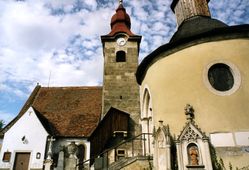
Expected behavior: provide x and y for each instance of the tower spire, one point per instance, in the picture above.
(120, 22)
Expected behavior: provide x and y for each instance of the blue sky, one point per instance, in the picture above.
(60, 39)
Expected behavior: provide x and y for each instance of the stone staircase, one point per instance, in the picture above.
(134, 163)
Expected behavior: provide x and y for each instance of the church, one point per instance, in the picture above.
(184, 107)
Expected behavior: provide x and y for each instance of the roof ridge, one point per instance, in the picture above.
(25, 107)
(30, 100)
(68, 87)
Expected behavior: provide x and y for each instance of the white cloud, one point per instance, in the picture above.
(17, 92)
(92, 3)
(24, 27)
(231, 12)
(63, 37)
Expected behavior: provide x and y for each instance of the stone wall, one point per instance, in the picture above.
(134, 163)
(120, 89)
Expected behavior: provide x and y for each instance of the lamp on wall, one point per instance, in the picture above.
(24, 140)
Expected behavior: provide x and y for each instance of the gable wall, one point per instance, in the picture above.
(30, 127)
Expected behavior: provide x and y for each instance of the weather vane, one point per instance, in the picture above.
(120, 2)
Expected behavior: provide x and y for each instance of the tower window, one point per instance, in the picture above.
(120, 56)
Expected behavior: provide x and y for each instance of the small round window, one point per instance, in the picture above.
(220, 77)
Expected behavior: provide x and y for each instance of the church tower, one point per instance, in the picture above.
(121, 50)
(185, 9)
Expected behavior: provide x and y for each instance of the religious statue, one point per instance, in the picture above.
(160, 140)
(189, 112)
(72, 148)
(193, 155)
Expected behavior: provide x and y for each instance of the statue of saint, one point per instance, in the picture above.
(189, 112)
(193, 155)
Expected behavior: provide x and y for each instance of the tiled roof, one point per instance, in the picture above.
(185, 38)
(73, 111)
(120, 22)
(67, 111)
(195, 26)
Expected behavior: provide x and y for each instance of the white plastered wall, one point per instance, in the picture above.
(26, 135)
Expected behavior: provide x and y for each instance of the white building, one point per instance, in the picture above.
(52, 129)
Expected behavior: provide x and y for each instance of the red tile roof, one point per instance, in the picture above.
(72, 111)
(65, 111)
(120, 22)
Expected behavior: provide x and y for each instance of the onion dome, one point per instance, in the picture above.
(120, 22)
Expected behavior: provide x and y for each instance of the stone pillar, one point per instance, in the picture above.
(168, 157)
(48, 164)
(72, 161)
(49, 161)
(60, 165)
(179, 156)
(71, 164)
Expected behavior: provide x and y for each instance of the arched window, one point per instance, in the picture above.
(146, 105)
(146, 120)
(120, 56)
(193, 154)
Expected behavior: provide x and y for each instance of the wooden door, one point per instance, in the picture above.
(21, 161)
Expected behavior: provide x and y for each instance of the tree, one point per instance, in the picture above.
(1, 124)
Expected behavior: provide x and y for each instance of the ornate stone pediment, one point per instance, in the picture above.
(191, 132)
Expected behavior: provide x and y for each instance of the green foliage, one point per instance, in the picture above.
(217, 164)
(1, 124)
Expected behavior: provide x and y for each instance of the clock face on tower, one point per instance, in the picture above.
(121, 41)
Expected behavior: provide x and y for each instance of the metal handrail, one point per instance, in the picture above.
(121, 143)
(126, 141)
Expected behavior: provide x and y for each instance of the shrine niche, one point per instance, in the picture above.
(192, 145)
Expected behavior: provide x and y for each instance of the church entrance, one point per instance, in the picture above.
(21, 161)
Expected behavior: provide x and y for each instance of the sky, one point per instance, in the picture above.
(57, 42)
